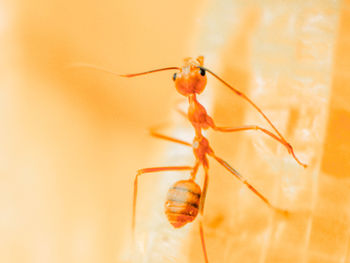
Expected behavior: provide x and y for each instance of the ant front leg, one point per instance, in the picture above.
(258, 128)
(243, 180)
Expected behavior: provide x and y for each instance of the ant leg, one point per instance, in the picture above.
(204, 192)
(194, 171)
(168, 138)
(150, 170)
(242, 95)
(243, 180)
(255, 127)
(202, 240)
(201, 209)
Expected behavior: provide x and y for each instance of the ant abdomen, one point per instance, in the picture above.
(182, 203)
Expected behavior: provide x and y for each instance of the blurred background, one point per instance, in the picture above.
(72, 139)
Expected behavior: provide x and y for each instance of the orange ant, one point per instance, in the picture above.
(185, 198)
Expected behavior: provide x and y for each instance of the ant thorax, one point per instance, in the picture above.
(198, 115)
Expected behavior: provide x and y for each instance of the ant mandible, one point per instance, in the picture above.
(185, 198)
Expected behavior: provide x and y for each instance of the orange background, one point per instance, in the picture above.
(72, 139)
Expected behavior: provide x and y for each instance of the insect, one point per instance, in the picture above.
(185, 199)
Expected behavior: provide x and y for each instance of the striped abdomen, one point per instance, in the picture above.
(182, 202)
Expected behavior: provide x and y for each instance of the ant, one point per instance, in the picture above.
(185, 198)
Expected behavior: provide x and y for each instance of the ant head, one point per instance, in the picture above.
(191, 79)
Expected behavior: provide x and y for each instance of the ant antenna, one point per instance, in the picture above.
(84, 65)
(244, 97)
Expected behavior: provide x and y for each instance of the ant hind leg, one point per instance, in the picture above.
(252, 188)
(151, 170)
(201, 209)
(201, 232)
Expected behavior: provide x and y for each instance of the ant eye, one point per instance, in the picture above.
(202, 71)
(174, 77)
